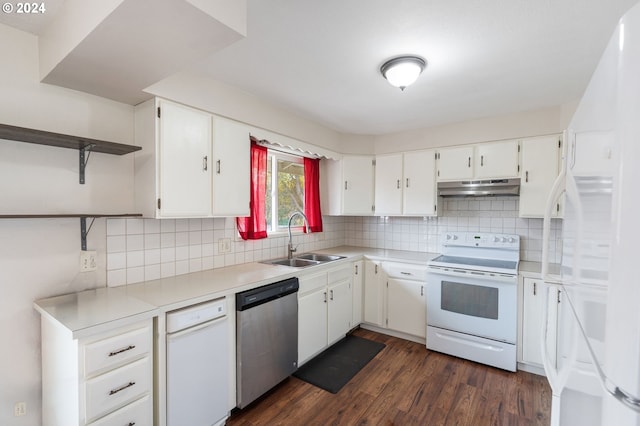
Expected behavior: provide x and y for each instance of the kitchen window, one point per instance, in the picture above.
(285, 191)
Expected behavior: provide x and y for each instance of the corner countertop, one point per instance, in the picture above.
(92, 311)
(89, 312)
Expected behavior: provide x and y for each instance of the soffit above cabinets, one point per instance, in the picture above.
(121, 47)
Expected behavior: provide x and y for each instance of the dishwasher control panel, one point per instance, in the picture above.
(194, 315)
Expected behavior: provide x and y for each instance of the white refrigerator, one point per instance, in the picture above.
(594, 372)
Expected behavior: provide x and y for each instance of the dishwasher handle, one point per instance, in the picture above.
(258, 296)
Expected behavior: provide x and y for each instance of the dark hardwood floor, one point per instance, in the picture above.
(406, 384)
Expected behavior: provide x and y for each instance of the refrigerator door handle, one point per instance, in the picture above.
(557, 377)
(631, 401)
(558, 188)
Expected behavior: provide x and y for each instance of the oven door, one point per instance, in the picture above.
(471, 302)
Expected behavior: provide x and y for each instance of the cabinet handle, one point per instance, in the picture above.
(421, 290)
(131, 424)
(398, 184)
(469, 162)
(407, 182)
(325, 297)
(534, 289)
(218, 166)
(376, 269)
(205, 164)
(331, 291)
(356, 269)
(345, 185)
(481, 160)
(526, 176)
(119, 351)
(121, 388)
(405, 273)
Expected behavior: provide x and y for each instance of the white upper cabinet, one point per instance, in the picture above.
(405, 184)
(541, 158)
(455, 163)
(388, 186)
(347, 186)
(420, 183)
(490, 160)
(496, 160)
(192, 163)
(231, 168)
(172, 171)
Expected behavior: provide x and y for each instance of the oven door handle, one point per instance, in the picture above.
(507, 279)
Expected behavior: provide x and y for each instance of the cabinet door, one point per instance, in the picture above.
(357, 195)
(373, 293)
(496, 160)
(388, 186)
(185, 161)
(406, 306)
(540, 166)
(535, 294)
(231, 168)
(312, 324)
(357, 281)
(340, 310)
(455, 163)
(419, 183)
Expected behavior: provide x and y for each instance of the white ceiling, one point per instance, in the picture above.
(321, 59)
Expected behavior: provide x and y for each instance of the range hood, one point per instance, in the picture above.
(479, 188)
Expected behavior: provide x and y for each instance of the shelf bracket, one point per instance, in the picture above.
(83, 162)
(84, 231)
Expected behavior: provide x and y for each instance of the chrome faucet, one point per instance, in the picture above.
(290, 249)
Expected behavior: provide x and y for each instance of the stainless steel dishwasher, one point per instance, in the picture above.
(267, 338)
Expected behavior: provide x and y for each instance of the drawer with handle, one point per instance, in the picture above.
(113, 351)
(138, 413)
(111, 390)
(405, 271)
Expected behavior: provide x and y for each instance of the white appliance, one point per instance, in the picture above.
(595, 377)
(197, 365)
(472, 292)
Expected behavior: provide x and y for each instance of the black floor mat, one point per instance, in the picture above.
(334, 367)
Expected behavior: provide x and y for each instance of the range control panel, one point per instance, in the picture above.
(481, 239)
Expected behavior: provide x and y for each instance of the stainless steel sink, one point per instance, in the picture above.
(295, 262)
(322, 258)
(304, 260)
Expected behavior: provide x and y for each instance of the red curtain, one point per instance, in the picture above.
(254, 227)
(312, 194)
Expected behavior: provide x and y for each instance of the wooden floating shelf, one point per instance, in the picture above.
(40, 137)
(70, 215)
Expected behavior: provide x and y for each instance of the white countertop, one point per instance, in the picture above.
(92, 311)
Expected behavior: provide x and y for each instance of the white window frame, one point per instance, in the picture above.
(275, 156)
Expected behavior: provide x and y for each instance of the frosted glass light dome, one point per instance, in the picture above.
(403, 71)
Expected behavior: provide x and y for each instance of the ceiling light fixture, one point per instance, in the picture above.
(403, 70)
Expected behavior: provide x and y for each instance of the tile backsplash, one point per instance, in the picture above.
(480, 214)
(146, 249)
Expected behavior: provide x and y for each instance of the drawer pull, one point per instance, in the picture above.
(131, 424)
(119, 351)
(406, 273)
(121, 388)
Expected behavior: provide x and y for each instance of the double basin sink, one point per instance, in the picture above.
(304, 260)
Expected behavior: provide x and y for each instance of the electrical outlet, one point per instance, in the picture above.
(224, 245)
(88, 260)
(20, 409)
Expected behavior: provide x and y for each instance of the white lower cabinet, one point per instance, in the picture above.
(394, 297)
(358, 292)
(325, 310)
(406, 303)
(534, 296)
(373, 300)
(104, 379)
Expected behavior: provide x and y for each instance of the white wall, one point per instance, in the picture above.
(523, 124)
(39, 257)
